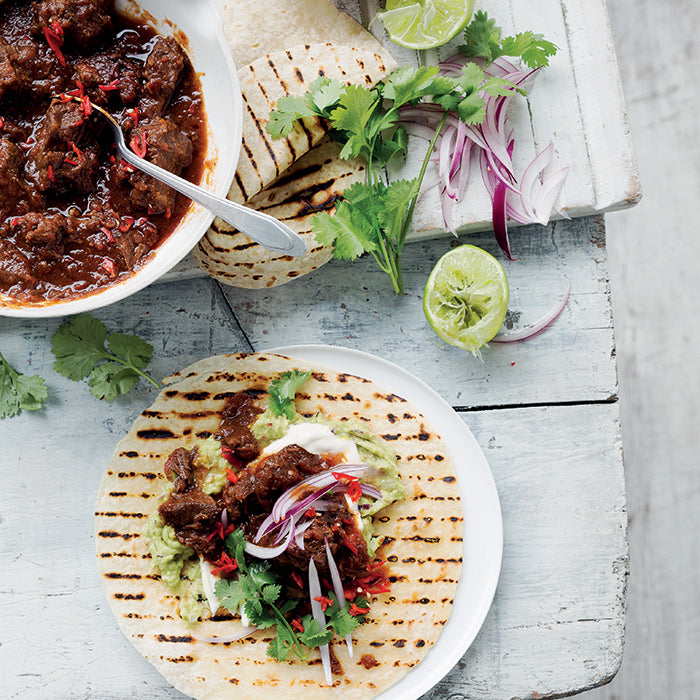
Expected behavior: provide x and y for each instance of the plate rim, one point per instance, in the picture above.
(452, 646)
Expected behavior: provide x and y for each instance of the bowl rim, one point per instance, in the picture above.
(197, 216)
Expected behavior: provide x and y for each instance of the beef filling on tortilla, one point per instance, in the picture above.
(305, 495)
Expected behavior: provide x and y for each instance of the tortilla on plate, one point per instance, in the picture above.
(422, 538)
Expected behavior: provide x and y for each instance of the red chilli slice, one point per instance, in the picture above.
(139, 145)
(54, 38)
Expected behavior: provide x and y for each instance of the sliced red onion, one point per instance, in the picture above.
(317, 612)
(271, 552)
(371, 491)
(338, 589)
(538, 326)
(299, 535)
(498, 216)
(245, 632)
(320, 480)
(530, 199)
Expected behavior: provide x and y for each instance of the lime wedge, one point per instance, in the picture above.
(466, 297)
(425, 24)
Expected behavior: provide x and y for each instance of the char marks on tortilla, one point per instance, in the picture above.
(423, 538)
(313, 184)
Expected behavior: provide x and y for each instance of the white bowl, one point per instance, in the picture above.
(201, 22)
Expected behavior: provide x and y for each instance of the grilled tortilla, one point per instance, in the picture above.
(235, 259)
(422, 539)
(255, 28)
(313, 184)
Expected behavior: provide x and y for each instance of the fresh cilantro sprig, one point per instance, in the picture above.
(79, 347)
(283, 390)
(18, 392)
(483, 40)
(258, 593)
(374, 216)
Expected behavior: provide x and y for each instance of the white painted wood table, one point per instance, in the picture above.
(545, 413)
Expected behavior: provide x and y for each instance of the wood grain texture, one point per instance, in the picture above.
(572, 361)
(654, 275)
(556, 623)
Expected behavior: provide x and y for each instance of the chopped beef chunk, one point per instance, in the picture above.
(193, 516)
(11, 186)
(259, 484)
(167, 147)
(63, 124)
(55, 162)
(238, 413)
(162, 73)
(179, 468)
(105, 69)
(44, 232)
(14, 266)
(14, 75)
(82, 21)
(335, 525)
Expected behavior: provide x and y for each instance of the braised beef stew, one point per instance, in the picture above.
(74, 218)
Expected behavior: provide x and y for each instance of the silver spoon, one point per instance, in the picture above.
(262, 228)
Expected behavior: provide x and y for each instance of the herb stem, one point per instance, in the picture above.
(419, 181)
(141, 373)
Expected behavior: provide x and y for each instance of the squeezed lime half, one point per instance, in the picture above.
(425, 24)
(466, 297)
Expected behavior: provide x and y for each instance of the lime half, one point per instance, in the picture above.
(466, 297)
(425, 24)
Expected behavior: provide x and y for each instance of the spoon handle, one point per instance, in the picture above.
(262, 228)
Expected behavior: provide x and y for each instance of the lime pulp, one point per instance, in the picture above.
(466, 297)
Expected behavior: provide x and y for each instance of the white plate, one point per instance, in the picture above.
(483, 527)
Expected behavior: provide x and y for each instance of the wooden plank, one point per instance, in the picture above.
(577, 102)
(561, 593)
(351, 304)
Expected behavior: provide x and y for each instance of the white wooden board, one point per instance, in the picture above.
(577, 103)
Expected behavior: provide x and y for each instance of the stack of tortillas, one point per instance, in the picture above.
(279, 51)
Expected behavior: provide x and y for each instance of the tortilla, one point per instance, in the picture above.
(313, 184)
(237, 260)
(254, 28)
(290, 72)
(423, 539)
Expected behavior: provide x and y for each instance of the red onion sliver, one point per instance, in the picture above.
(299, 536)
(317, 612)
(270, 552)
(500, 227)
(338, 589)
(535, 328)
(245, 632)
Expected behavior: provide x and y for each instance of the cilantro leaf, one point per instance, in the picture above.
(312, 636)
(325, 93)
(136, 351)
(483, 40)
(407, 85)
(277, 648)
(289, 110)
(235, 545)
(283, 390)
(109, 379)
(352, 115)
(342, 622)
(230, 593)
(349, 231)
(79, 348)
(19, 392)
